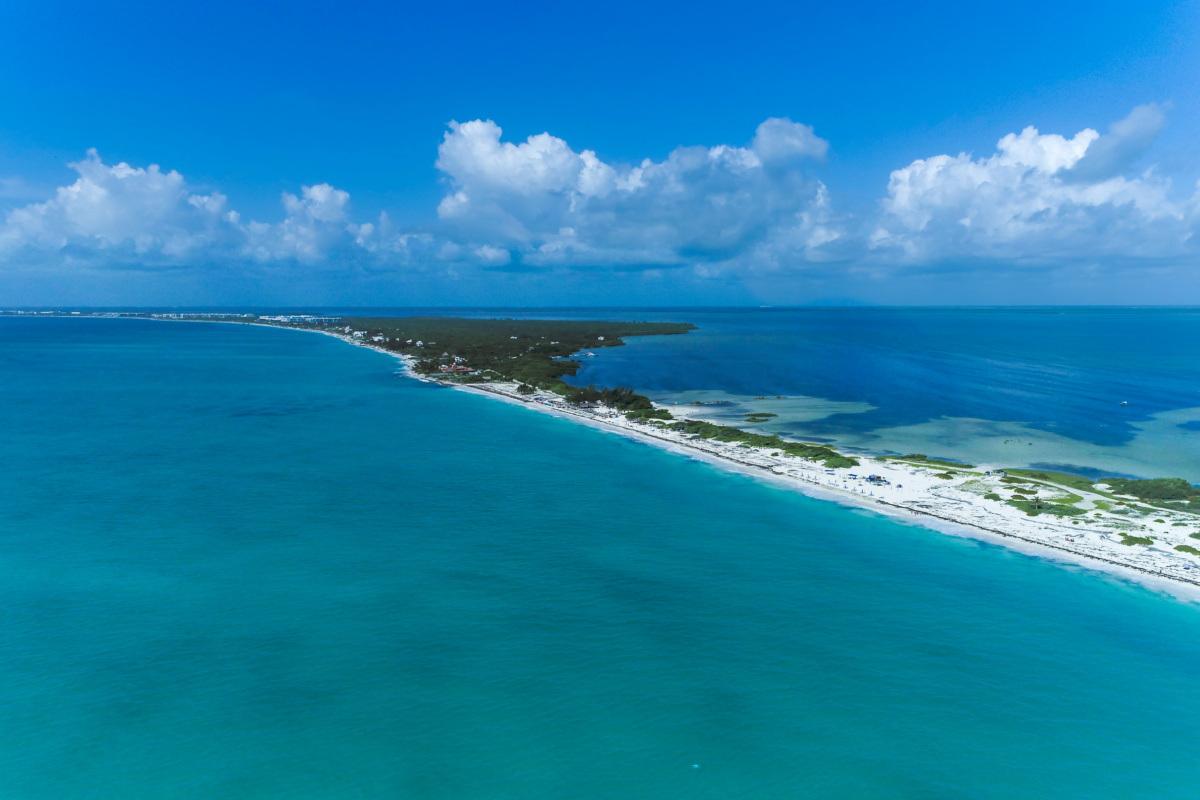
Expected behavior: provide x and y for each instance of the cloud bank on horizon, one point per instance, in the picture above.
(1040, 200)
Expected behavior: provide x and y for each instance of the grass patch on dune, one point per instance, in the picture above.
(1034, 506)
(1158, 490)
(722, 433)
(920, 459)
(1061, 478)
(649, 414)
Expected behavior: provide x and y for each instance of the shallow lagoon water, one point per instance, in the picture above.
(239, 562)
(1019, 387)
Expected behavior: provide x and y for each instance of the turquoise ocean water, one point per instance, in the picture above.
(248, 563)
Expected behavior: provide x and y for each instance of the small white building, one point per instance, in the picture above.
(359, 334)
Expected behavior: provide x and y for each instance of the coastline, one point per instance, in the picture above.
(935, 509)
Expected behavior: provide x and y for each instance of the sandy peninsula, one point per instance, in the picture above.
(963, 502)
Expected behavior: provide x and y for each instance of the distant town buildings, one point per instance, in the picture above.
(204, 315)
(310, 319)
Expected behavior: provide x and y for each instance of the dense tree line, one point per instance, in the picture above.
(532, 352)
(621, 398)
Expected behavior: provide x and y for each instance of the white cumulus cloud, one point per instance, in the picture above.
(547, 204)
(124, 214)
(147, 210)
(540, 204)
(1041, 197)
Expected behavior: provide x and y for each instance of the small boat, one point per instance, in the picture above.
(1124, 402)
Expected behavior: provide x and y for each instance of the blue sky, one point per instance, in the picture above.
(693, 153)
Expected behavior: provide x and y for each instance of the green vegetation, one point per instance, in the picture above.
(1023, 490)
(815, 452)
(946, 476)
(1132, 540)
(621, 398)
(1033, 506)
(759, 417)
(922, 459)
(533, 352)
(1156, 490)
(992, 496)
(1187, 548)
(1169, 493)
(1061, 478)
(649, 414)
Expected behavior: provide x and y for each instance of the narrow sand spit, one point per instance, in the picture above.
(915, 494)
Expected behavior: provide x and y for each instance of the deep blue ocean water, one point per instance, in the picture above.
(1019, 387)
(250, 563)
